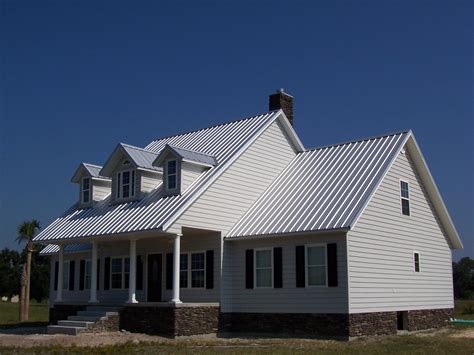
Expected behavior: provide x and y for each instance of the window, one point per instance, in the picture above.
(405, 198)
(86, 190)
(88, 274)
(316, 274)
(183, 271)
(126, 184)
(263, 268)
(197, 270)
(171, 175)
(416, 261)
(66, 275)
(120, 273)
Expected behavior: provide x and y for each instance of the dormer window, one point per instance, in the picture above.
(171, 174)
(125, 184)
(86, 190)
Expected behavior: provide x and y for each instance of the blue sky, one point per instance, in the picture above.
(80, 76)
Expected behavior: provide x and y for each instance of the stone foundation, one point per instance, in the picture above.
(429, 318)
(170, 320)
(329, 325)
(111, 324)
(375, 323)
(62, 311)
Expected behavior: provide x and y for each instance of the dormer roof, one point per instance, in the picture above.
(90, 170)
(186, 155)
(140, 158)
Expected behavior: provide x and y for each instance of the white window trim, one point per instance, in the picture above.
(168, 174)
(66, 274)
(123, 273)
(85, 274)
(404, 198)
(255, 268)
(419, 263)
(189, 270)
(89, 190)
(306, 263)
(132, 183)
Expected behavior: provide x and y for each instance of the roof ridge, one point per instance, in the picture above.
(213, 126)
(189, 150)
(94, 165)
(357, 140)
(138, 148)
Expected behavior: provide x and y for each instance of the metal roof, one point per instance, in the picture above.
(141, 157)
(154, 212)
(69, 248)
(322, 189)
(188, 155)
(89, 169)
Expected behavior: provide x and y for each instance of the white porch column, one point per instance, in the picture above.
(133, 272)
(93, 298)
(59, 291)
(176, 254)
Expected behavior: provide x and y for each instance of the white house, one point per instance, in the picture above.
(239, 227)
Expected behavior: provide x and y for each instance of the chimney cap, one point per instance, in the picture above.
(281, 91)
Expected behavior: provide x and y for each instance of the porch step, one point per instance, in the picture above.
(103, 308)
(84, 318)
(75, 323)
(61, 329)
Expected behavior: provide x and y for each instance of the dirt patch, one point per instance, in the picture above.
(465, 333)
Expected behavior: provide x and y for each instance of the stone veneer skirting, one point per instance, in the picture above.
(190, 319)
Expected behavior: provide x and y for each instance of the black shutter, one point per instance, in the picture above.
(98, 274)
(107, 274)
(332, 264)
(249, 268)
(277, 268)
(72, 273)
(300, 269)
(139, 279)
(82, 271)
(56, 273)
(169, 271)
(210, 269)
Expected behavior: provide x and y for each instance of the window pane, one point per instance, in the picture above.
(171, 182)
(316, 256)
(85, 184)
(117, 265)
(317, 275)
(197, 261)
(183, 273)
(118, 185)
(405, 207)
(85, 196)
(264, 277)
(117, 280)
(264, 258)
(88, 274)
(172, 167)
(197, 278)
(126, 177)
(66, 275)
(127, 264)
(133, 182)
(404, 189)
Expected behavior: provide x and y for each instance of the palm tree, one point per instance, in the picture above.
(26, 231)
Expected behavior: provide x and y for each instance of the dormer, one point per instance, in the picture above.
(132, 172)
(93, 187)
(181, 167)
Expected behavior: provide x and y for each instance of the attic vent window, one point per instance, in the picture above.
(126, 162)
(126, 184)
(405, 198)
(86, 190)
(171, 174)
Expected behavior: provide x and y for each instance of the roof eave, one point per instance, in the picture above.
(289, 234)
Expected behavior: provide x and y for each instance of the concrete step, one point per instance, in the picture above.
(60, 329)
(85, 318)
(96, 313)
(75, 323)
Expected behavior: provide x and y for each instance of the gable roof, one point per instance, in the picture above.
(328, 188)
(226, 142)
(139, 157)
(91, 170)
(321, 189)
(186, 155)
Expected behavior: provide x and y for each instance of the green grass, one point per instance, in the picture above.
(464, 309)
(9, 314)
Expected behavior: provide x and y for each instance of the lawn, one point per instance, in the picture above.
(9, 314)
(464, 309)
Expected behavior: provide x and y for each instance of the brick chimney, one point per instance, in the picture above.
(281, 100)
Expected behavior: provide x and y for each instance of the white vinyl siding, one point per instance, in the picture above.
(100, 189)
(189, 174)
(149, 181)
(381, 245)
(237, 189)
(288, 299)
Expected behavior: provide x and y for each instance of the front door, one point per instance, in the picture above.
(154, 277)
